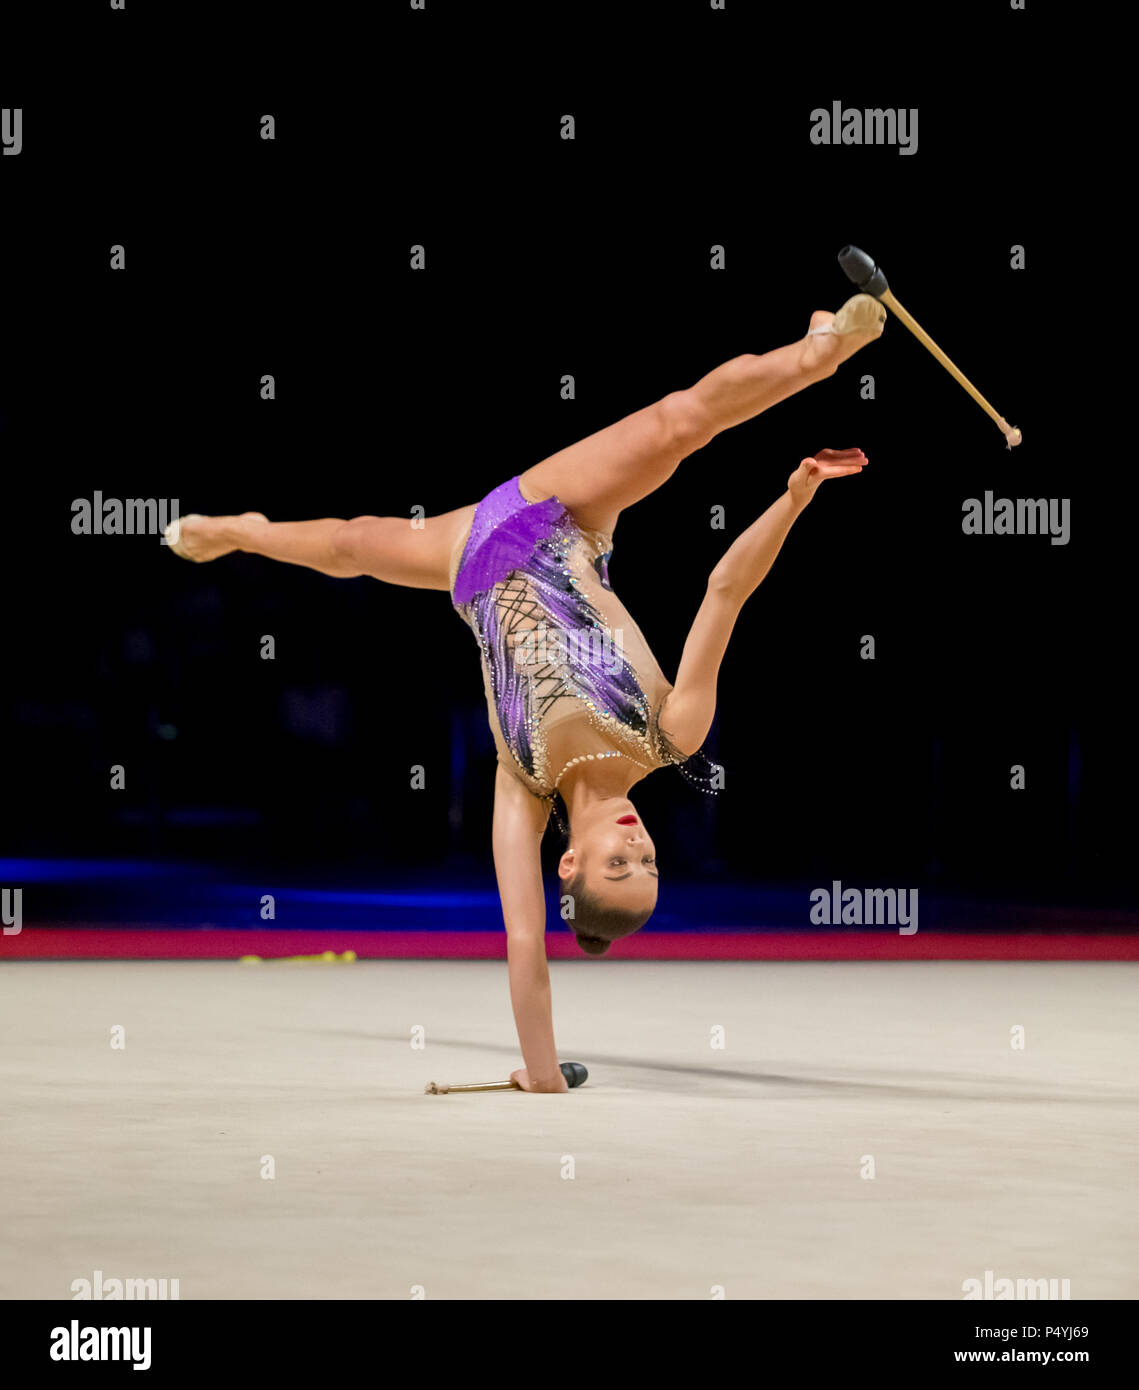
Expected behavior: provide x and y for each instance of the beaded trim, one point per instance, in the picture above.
(546, 591)
(590, 757)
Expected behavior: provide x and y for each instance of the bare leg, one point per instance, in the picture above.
(389, 548)
(746, 386)
(610, 470)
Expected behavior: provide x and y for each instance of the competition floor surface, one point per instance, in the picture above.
(725, 1140)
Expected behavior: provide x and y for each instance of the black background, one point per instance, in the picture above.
(397, 388)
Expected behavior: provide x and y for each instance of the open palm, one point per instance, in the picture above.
(827, 463)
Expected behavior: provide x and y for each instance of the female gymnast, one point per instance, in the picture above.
(578, 705)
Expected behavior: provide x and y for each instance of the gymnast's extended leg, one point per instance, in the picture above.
(599, 476)
(595, 478)
(390, 548)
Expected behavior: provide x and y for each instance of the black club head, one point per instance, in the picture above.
(862, 271)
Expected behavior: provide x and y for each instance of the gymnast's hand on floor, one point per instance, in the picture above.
(827, 463)
(522, 1078)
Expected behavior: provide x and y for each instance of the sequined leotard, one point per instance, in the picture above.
(566, 670)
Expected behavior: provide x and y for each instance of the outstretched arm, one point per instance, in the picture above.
(519, 822)
(686, 715)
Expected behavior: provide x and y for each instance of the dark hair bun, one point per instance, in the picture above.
(593, 945)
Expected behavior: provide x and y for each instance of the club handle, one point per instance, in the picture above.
(575, 1074)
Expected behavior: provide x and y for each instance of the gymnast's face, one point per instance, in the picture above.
(616, 855)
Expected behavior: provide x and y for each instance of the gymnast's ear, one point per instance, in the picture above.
(567, 865)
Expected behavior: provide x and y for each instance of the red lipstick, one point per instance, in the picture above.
(626, 820)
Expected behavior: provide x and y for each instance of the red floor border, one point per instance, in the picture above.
(214, 943)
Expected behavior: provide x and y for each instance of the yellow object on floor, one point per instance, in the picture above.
(325, 958)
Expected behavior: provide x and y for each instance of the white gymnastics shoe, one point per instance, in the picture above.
(173, 536)
(200, 548)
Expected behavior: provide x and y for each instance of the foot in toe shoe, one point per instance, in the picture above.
(860, 314)
(832, 338)
(196, 537)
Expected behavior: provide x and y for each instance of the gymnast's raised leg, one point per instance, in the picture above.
(595, 478)
(599, 476)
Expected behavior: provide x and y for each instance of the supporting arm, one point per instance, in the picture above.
(519, 822)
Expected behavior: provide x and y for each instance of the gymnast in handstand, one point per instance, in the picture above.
(578, 706)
